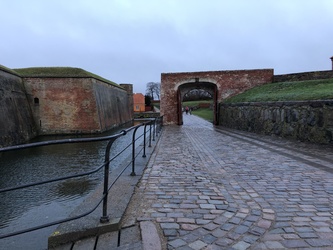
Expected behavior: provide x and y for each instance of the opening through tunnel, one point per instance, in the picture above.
(186, 88)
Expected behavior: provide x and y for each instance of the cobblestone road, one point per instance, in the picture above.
(208, 188)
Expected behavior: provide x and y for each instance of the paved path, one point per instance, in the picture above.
(222, 189)
(213, 188)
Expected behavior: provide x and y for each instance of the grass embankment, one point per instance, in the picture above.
(205, 113)
(287, 91)
(59, 72)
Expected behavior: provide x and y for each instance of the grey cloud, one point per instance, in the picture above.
(135, 41)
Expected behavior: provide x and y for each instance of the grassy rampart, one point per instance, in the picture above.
(44, 72)
(287, 91)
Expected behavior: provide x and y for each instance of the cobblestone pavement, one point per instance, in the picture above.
(208, 188)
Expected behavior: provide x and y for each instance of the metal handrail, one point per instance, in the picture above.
(157, 125)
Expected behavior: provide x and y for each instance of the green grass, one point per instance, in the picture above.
(204, 113)
(59, 72)
(8, 70)
(287, 91)
(195, 103)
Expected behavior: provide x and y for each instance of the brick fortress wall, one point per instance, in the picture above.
(32, 106)
(76, 105)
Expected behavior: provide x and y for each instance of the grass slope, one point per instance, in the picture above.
(287, 91)
(59, 72)
(204, 113)
(8, 70)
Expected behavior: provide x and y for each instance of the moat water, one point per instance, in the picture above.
(21, 209)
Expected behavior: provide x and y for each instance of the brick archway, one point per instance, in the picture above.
(210, 87)
(224, 83)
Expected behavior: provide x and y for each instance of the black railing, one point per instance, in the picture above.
(155, 126)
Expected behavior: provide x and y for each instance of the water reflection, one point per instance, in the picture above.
(73, 188)
(33, 206)
(38, 164)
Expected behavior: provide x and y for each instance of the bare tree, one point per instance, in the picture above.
(153, 89)
(158, 90)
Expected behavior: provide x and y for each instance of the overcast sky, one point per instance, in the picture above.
(134, 41)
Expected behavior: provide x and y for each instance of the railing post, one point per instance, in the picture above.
(144, 141)
(133, 151)
(105, 217)
(157, 126)
(154, 129)
(149, 134)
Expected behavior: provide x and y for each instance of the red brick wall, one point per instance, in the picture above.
(76, 105)
(228, 83)
(204, 105)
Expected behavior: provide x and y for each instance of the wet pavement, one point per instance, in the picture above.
(216, 188)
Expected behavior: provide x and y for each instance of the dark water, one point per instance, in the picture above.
(33, 206)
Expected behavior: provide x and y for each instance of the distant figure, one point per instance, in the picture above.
(186, 110)
(190, 110)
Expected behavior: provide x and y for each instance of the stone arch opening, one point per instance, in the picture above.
(184, 88)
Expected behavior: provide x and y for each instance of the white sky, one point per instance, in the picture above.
(134, 41)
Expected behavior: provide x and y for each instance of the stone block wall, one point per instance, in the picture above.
(16, 120)
(129, 89)
(302, 120)
(114, 104)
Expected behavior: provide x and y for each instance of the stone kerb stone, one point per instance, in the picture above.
(303, 120)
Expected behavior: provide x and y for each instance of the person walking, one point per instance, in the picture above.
(186, 110)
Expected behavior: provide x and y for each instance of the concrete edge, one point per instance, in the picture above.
(69, 237)
(150, 237)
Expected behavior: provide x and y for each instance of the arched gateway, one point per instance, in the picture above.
(220, 84)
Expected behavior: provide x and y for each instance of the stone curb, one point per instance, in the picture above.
(150, 237)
